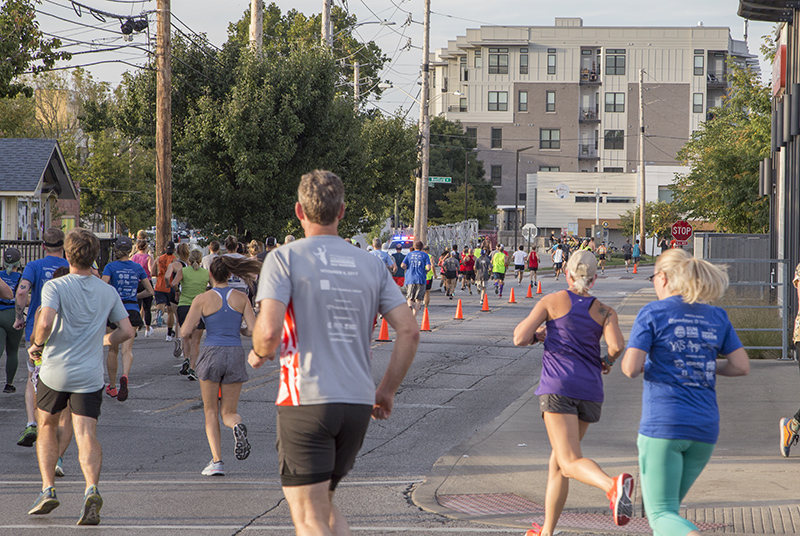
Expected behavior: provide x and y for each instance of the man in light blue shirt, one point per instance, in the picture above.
(383, 256)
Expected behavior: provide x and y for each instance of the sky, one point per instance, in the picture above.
(449, 19)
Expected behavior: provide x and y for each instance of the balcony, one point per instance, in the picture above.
(587, 151)
(456, 108)
(590, 77)
(716, 80)
(589, 115)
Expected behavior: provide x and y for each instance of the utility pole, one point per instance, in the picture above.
(327, 35)
(256, 25)
(356, 83)
(163, 127)
(421, 193)
(466, 182)
(642, 232)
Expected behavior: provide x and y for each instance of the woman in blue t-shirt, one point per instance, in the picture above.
(675, 341)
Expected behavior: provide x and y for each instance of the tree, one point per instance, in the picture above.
(658, 221)
(724, 155)
(22, 46)
(449, 145)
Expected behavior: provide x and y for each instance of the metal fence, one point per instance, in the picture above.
(33, 249)
(442, 237)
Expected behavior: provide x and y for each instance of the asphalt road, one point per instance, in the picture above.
(465, 373)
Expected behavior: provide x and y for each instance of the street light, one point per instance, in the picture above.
(421, 190)
(516, 196)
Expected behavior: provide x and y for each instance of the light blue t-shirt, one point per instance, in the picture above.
(72, 360)
(415, 262)
(385, 257)
(12, 280)
(683, 341)
(38, 273)
(125, 277)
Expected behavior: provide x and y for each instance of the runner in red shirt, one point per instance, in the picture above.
(533, 264)
(467, 269)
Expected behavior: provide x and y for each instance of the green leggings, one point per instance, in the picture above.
(668, 469)
(9, 341)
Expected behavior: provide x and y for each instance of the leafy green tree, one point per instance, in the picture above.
(18, 117)
(659, 217)
(22, 45)
(449, 145)
(724, 154)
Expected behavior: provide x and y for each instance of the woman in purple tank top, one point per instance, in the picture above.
(571, 387)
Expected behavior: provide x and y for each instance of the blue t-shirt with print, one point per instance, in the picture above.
(37, 273)
(125, 277)
(682, 342)
(415, 262)
(12, 280)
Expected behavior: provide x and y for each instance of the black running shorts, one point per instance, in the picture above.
(183, 310)
(84, 404)
(319, 442)
(586, 410)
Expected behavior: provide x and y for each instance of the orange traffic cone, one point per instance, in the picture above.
(459, 312)
(530, 291)
(426, 322)
(511, 297)
(383, 336)
(539, 288)
(485, 307)
(634, 269)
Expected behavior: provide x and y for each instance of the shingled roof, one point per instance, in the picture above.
(28, 166)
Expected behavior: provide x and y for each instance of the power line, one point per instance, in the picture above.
(95, 63)
(76, 22)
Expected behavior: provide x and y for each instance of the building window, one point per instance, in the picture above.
(549, 168)
(615, 61)
(615, 102)
(697, 103)
(614, 139)
(497, 138)
(665, 194)
(588, 199)
(472, 133)
(613, 170)
(478, 59)
(610, 199)
(551, 61)
(462, 104)
(433, 78)
(498, 101)
(550, 101)
(498, 61)
(462, 65)
(522, 104)
(497, 176)
(523, 197)
(523, 61)
(549, 138)
(699, 63)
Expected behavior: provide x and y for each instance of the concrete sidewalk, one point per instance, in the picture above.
(499, 475)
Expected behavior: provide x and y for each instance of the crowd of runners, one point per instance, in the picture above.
(315, 302)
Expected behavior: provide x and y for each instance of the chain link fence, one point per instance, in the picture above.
(442, 237)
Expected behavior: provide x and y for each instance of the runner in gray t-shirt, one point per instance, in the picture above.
(319, 298)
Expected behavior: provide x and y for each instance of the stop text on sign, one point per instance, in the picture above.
(681, 230)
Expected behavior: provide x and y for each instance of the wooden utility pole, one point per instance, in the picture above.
(642, 232)
(163, 127)
(421, 193)
(256, 25)
(356, 83)
(327, 35)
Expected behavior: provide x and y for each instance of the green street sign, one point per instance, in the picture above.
(442, 180)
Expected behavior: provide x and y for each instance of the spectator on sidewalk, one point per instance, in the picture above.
(676, 341)
(571, 387)
(327, 393)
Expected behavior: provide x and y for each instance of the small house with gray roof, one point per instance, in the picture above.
(36, 190)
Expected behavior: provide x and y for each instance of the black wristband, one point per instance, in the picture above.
(259, 356)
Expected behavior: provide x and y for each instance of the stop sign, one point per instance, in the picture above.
(681, 230)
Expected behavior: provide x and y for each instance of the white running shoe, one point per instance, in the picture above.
(214, 469)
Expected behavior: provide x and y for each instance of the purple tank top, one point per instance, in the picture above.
(571, 364)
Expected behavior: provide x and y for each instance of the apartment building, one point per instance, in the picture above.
(565, 98)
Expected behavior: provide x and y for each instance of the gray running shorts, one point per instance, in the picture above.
(222, 364)
(586, 410)
(319, 442)
(416, 291)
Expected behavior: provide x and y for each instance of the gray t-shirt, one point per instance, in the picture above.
(72, 360)
(333, 293)
(206, 262)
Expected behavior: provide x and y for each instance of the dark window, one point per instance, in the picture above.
(523, 197)
(587, 199)
(699, 65)
(497, 175)
(613, 170)
(498, 61)
(522, 101)
(462, 64)
(550, 101)
(551, 61)
(615, 102)
(620, 199)
(615, 61)
(497, 138)
(472, 132)
(549, 138)
(697, 103)
(549, 168)
(523, 61)
(498, 101)
(614, 139)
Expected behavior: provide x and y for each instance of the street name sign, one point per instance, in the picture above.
(440, 180)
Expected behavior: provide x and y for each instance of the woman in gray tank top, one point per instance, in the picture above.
(221, 364)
